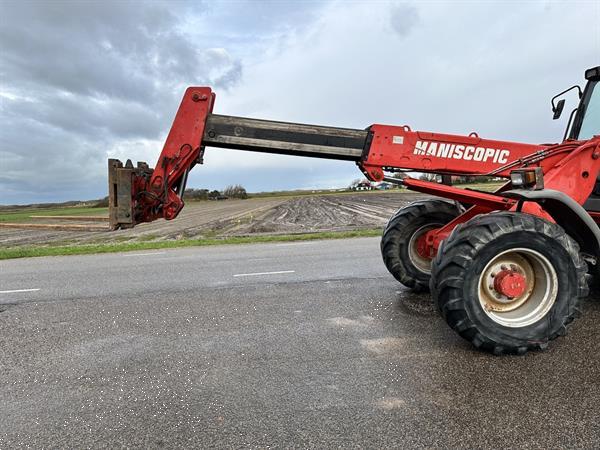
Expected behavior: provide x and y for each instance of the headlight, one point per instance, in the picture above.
(532, 178)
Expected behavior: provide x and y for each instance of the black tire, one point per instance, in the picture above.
(401, 228)
(458, 281)
(594, 276)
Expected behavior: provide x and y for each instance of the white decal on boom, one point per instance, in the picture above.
(459, 151)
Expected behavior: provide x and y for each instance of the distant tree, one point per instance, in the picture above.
(483, 179)
(428, 177)
(196, 194)
(354, 183)
(213, 195)
(235, 191)
(399, 176)
(472, 180)
(102, 203)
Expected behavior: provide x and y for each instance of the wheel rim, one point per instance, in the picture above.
(518, 287)
(420, 262)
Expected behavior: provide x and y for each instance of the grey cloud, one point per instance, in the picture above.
(232, 73)
(78, 77)
(89, 117)
(403, 18)
(77, 47)
(45, 160)
(122, 50)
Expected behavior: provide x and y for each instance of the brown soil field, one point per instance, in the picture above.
(275, 215)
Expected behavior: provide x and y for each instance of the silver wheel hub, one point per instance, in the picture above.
(518, 287)
(422, 263)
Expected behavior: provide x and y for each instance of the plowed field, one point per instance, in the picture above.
(275, 215)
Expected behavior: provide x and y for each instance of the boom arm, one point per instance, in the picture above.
(142, 195)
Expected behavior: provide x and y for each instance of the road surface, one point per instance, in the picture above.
(308, 344)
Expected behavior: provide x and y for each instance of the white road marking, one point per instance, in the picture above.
(18, 290)
(294, 244)
(144, 254)
(262, 273)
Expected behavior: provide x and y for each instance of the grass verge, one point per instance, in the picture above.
(24, 214)
(62, 250)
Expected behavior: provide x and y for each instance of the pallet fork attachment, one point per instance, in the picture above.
(121, 198)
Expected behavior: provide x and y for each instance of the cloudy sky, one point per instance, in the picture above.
(84, 81)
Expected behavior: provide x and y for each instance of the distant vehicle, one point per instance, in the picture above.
(363, 186)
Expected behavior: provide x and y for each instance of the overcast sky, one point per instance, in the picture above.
(85, 81)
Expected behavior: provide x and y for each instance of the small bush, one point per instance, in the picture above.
(235, 191)
(196, 194)
(102, 203)
(213, 195)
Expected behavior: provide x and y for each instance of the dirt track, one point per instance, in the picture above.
(279, 215)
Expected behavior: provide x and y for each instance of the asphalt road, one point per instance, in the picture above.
(190, 347)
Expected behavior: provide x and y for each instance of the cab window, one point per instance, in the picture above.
(591, 121)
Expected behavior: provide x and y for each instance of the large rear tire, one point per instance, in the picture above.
(399, 240)
(509, 282)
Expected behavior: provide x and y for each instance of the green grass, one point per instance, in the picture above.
(487, 187)
(23, 214)
(61, 250)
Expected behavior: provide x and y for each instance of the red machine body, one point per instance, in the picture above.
(570, 167)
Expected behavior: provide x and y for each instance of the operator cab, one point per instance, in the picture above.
(587, 125)
(587, 114)
(585, 121)
(587, 118)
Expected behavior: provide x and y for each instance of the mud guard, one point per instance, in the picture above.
(567, 213)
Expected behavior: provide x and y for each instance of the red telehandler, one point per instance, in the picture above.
(508, 270)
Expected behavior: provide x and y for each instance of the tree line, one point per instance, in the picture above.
(231, 191)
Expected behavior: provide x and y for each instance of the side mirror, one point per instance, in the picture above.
(558, 109)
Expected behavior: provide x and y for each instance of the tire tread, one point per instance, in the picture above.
(392, 238)
(461, 247)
